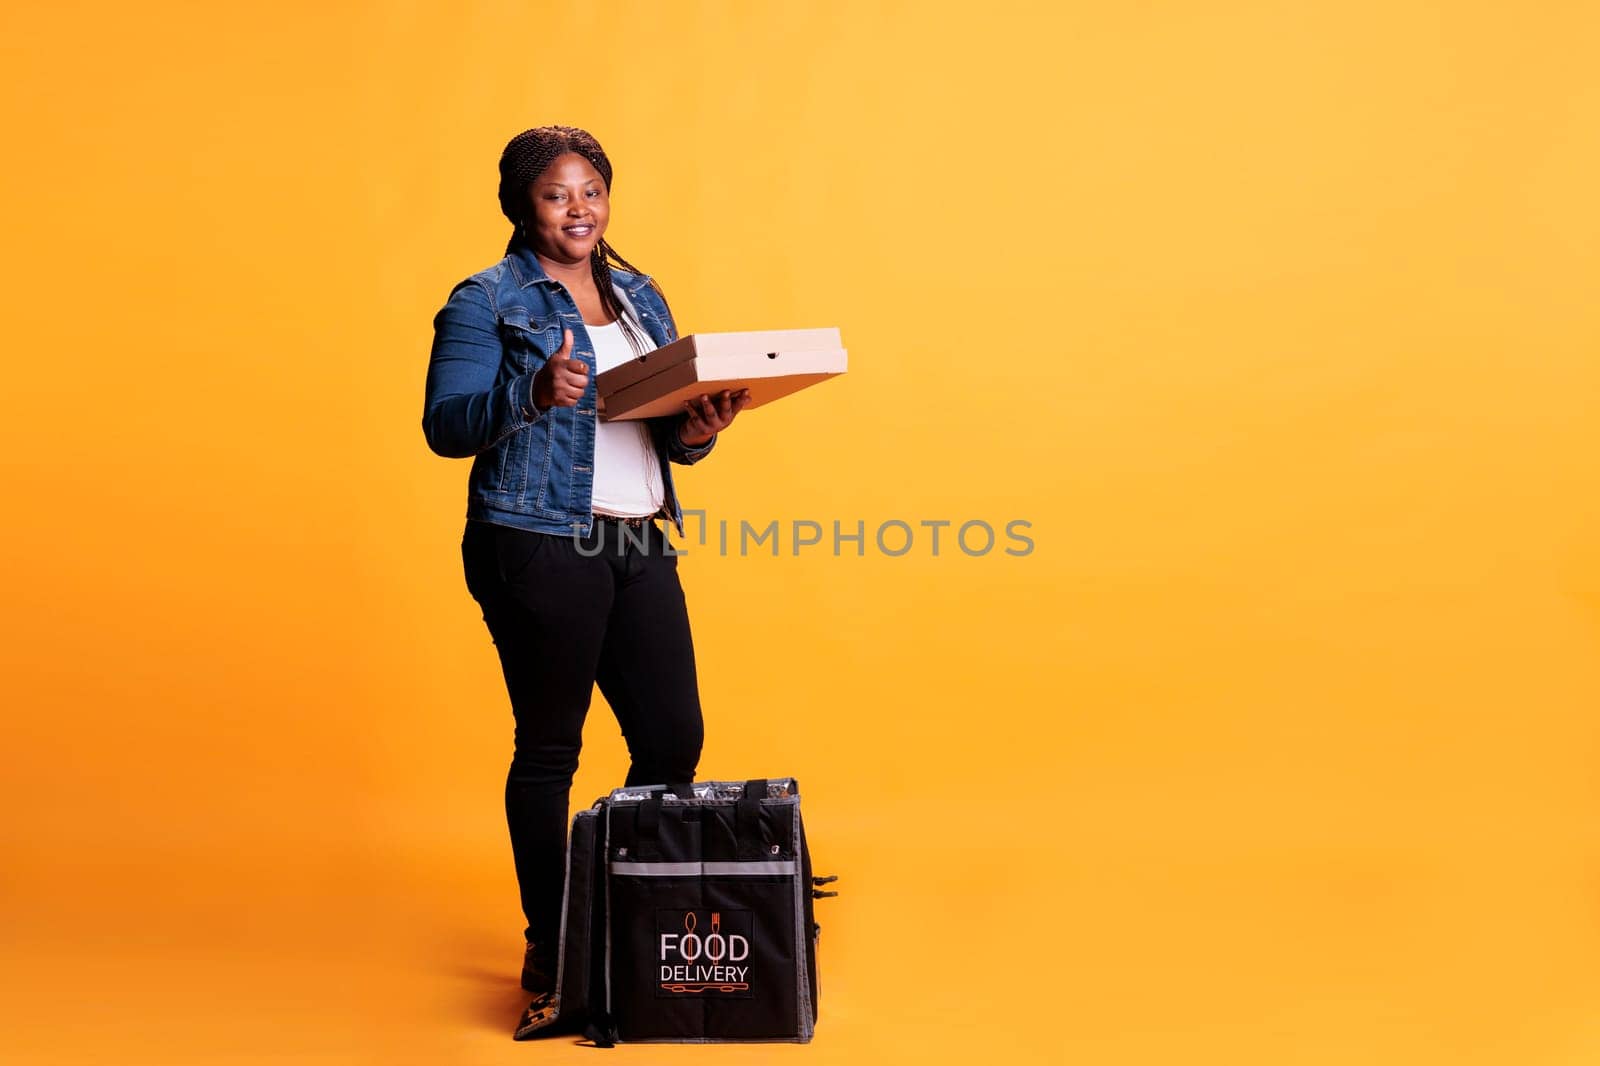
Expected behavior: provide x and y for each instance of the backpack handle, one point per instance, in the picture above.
(751, 837)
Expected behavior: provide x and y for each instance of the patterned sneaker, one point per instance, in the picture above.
(544, 1009)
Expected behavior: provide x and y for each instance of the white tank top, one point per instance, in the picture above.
(627, 473)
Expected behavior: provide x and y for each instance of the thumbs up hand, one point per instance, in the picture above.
(560, 382)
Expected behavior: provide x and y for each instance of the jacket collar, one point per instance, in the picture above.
(526, 271)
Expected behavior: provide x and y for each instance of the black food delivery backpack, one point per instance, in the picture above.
(687, 917)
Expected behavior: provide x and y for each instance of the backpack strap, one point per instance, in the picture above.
(752, 835)
(601, 1030)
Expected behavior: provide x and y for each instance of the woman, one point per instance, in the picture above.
(561, 549)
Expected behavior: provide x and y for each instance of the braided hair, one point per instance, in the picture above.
(526, 157)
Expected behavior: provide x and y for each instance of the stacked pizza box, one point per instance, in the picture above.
(770, 363)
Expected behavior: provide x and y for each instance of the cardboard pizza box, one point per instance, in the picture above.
(770, 363)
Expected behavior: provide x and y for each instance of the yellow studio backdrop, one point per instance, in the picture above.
(1276, 322)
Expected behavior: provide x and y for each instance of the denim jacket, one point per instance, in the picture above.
(531, 469)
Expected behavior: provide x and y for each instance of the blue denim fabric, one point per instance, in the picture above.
(531, 470)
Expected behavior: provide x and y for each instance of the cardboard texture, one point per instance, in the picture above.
(770, 363)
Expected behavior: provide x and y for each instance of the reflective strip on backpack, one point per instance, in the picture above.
(709, 869)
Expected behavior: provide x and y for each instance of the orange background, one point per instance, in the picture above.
(1276, 321)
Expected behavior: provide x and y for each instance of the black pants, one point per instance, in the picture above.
(564, 613)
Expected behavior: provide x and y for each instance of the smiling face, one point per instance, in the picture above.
(570, 209)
